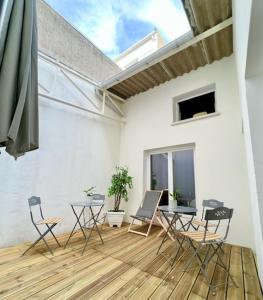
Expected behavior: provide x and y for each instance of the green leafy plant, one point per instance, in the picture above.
(176, 195)
(89, 191)
(120, 182)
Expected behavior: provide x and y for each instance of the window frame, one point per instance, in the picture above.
(169, 151)
(191, 95)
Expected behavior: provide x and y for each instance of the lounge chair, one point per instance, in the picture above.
(147, 211)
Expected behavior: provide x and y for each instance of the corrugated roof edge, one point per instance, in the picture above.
(159, 53)
(163, 52)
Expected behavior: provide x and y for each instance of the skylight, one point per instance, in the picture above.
(114, 25)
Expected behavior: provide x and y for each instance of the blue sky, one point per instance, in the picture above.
(115, 25)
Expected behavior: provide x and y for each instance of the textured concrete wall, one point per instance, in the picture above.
(62, 41)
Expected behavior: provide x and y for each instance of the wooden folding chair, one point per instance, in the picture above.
(213, 242)
(207, 204)
(49, 222)
(147, 211)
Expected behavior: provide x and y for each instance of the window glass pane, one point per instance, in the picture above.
(159, 171)
(183, 176)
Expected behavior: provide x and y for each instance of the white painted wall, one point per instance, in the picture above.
(248, 56)
(220, 162)
(77, 149)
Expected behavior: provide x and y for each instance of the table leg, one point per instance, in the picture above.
(78, 222)
(168, 229)
(94, 218)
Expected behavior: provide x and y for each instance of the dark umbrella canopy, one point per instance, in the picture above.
(18, 76)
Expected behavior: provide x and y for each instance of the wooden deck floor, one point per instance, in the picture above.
(126, 266)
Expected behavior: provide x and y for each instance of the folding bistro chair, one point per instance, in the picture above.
(207, 204)
(147, 210)
(49, 222)
(213, 240)
(101, 219)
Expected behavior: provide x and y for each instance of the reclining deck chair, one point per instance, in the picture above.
(147, 210)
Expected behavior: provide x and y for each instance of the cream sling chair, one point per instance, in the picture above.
(147, 211)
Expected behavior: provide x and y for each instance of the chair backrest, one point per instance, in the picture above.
(219, 214)
(150, 204)
(210, 203)
(98, 197)
(32, 201)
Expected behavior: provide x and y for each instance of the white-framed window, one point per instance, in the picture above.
(195, 104)
(172, 168)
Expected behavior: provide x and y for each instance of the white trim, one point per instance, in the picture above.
(191, 96)
(79, 89)
(169, 151)
(61, 101)
(215, 114)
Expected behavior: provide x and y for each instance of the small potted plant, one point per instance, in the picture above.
(89, 193)
(175, 196)
(120, 183)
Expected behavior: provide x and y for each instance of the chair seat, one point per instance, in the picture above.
(198, 236)
(53, 220)
(140, 218)
(200, 222)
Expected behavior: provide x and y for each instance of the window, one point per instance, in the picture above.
(173, 170)
(195, 104)
(183, 174)
(159, 171)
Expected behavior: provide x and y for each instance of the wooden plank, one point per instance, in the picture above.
(220, 276)
(237, 273)
(251, 282)
(126, 266)
(165, 289)
(200, 289)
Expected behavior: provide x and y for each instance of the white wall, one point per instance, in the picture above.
(77, 149)
(246, 41)
(220, 162)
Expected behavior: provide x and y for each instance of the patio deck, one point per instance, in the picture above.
(126, 266)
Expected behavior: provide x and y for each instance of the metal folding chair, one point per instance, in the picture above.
(212, 240)
(101, 218)
(49, 222)
(206, 204)
(147, 211)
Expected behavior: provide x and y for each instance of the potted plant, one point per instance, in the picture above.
(175, 196)
(120, 183)
(89, 193)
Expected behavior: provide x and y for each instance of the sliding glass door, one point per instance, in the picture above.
(159, 171)
(173, 170)
(183, 175)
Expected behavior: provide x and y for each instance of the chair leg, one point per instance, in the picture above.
(149, 228)
(131, 224)
(53, 234)
(222, 264)
(39, 239)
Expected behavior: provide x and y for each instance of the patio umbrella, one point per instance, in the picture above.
(18, 76)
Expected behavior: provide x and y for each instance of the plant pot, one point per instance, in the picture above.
(172, 204)
(115, 218)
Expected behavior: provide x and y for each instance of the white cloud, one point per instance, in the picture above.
(169, 19)
(99, 19)
(98, 22)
